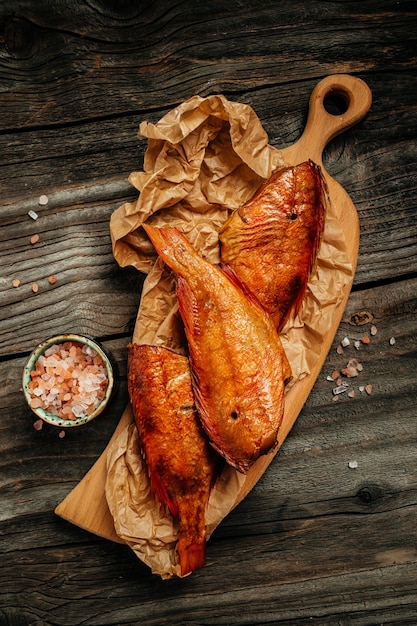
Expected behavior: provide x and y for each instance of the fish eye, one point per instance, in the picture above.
(293, 216)
(234, 414)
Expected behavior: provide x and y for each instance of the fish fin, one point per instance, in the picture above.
(161, 493)
(188, 310)
(235, 280)
(192, 554)
(323, 202)
(300, 288)
(201, 408)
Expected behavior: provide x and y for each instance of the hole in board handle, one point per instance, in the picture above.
(336, 102)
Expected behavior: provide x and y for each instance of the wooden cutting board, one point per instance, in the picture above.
(86, 505)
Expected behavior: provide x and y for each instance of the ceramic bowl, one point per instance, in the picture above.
(39, 351)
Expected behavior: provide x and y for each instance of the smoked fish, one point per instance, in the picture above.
(182, 465)
(271, 242)
(238, 364)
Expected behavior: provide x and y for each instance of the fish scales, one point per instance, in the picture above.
(237, 360)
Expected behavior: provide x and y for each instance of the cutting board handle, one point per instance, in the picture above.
(322, 126)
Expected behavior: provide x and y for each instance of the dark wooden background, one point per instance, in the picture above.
(315, 541)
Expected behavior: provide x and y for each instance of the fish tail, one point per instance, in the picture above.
(192, 536)
(192, 553)
(295, 306)
(234, 278)
(172, 247)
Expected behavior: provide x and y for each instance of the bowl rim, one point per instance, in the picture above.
(40, 349)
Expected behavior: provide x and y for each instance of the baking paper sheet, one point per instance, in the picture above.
(204, 159)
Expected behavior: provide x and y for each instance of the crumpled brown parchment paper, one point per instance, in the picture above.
(204, 159)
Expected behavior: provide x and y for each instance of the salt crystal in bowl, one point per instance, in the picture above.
(68, 380)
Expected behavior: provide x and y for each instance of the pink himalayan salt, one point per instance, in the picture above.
(69, 380)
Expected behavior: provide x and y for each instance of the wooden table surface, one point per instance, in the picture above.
(317, 540)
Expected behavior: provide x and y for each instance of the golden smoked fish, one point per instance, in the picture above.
(237, 360)
(271, 242)
(182, 465)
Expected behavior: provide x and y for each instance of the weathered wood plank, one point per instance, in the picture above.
(266, 591)
(310, 520)
(47, 161)
(63, 161)
(91, 295)
(112, 61)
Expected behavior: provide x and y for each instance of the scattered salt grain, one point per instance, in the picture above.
(15, 282)
(34, 239)
(61, 434)
(38, 425)
(357, 344)
(366, 339)
(368, 389)
(373, 330)
(52, 280)
(35, 287)
(33, 214)
(350, 372)
(352, 368)
(353, 464)
(362, 388)
(392, 341)
(43, 200)
(345, 342)
(353, 363)
(339, 350)
(351, 393)
(339, 389)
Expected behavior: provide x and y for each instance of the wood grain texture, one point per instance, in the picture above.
(315, 541)
(74, 246)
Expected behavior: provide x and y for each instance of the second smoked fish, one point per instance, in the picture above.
(238, 364)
